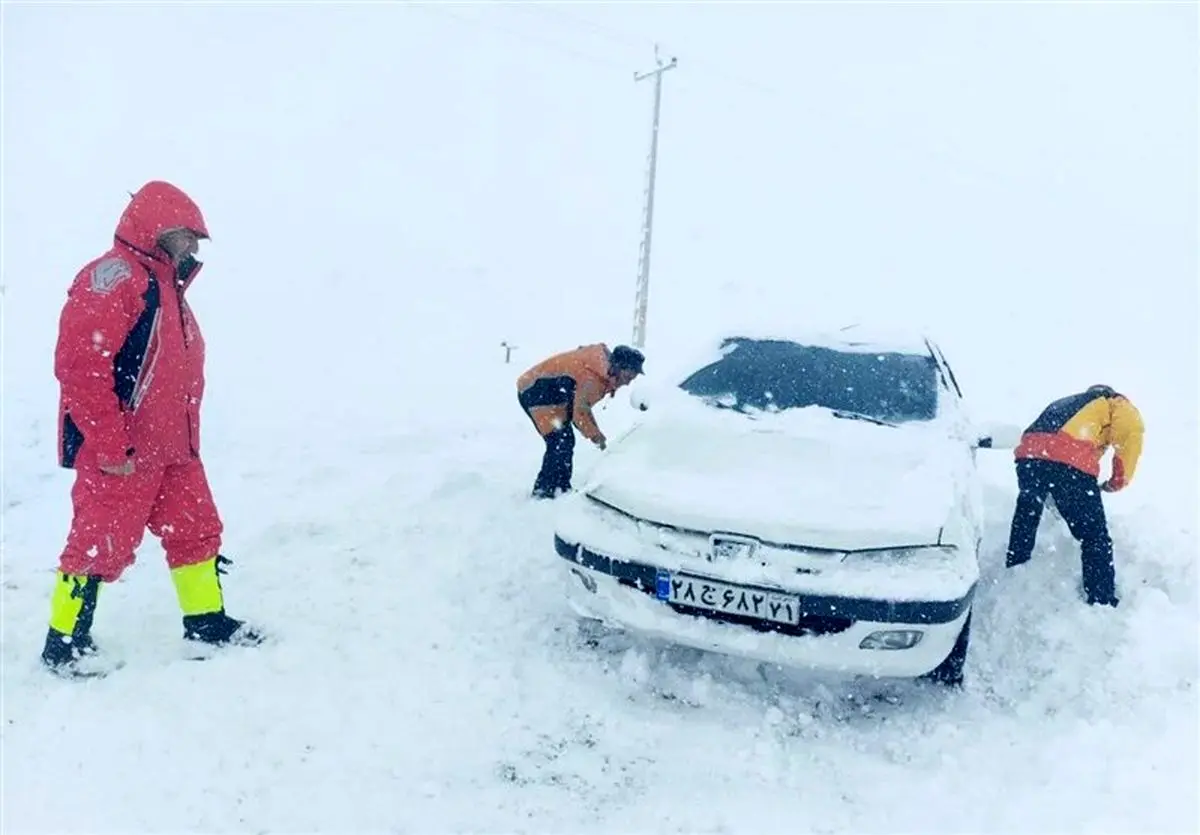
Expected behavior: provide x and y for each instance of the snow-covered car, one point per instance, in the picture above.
(812, 502)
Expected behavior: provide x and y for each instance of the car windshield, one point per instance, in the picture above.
(775, 375)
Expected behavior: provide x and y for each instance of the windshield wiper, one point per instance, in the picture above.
(860, 416)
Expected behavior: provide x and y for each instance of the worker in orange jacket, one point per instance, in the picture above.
(1059, 457)
(560, 392)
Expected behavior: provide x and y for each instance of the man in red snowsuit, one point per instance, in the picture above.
(130, 363)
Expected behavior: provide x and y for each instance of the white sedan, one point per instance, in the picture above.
(811, 502)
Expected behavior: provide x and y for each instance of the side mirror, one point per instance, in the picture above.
(996, 435)
(639, 398)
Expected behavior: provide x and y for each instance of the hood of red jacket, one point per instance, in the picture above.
(155, 207)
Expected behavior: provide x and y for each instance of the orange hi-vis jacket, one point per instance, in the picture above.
(583, 371)
(1078, 429)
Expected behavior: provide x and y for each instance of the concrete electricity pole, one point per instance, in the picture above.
(643, 281)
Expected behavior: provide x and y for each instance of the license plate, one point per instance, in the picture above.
(702, 593)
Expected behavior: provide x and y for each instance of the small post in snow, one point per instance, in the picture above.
(508, 349)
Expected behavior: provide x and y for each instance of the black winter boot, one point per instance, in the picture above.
(69, 641)
(203, 602)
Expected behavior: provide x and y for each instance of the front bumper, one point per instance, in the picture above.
(837, 631)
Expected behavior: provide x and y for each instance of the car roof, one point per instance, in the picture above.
(677, 358)
(855, 337)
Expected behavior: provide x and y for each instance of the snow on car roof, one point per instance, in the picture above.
(851, 336)
(677, 358)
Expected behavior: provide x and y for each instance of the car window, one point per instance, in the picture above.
(774, 375)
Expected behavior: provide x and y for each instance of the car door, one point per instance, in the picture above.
(969, 486)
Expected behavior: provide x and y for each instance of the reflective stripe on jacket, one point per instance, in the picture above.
(1078, 429)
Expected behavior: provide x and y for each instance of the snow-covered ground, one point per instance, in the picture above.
(385, 215)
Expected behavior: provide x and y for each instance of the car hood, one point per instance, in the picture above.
(845, 488)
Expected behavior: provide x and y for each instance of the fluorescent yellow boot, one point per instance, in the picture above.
(202, 601)
(72, 607)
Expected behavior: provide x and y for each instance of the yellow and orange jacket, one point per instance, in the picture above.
(587, 366)
(1078, 429)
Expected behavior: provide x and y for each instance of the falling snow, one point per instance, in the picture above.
(364, 444)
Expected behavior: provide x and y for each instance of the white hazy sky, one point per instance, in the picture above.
(1021, 177)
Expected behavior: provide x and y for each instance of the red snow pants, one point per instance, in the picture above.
(111, 514)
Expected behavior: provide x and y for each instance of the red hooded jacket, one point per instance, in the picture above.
(130, 357)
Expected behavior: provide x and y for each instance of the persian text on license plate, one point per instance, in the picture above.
(703, 593)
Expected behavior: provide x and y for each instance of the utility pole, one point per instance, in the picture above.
(508, 349)
(643, 280)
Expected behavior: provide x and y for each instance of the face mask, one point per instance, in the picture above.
(178, 243)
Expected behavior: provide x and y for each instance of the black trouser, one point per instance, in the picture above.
(1077, 497)
(559, 459)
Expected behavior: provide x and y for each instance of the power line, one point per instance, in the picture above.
(785, 103)
(444, 10)
(621, 37)
(629, 39)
